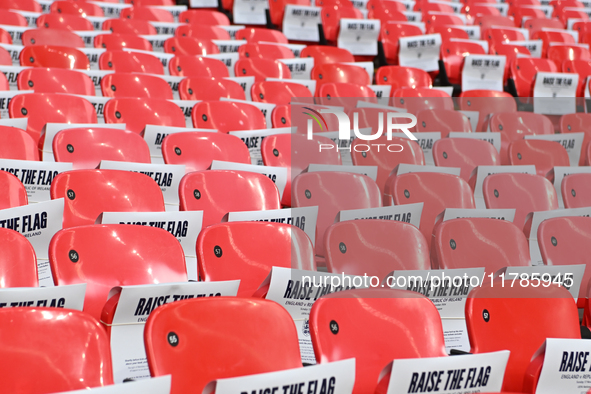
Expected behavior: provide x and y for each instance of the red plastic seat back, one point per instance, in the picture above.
(42, 108)
(511, 52)
(197, 66)
(136, 113)
(265, 51)
(465, 153)
(17, 144)
(115, 42)
(190, 46)
(437, 191)
(524, 192)
(524, 70)
(55, 80)
(344, 94)
(545, 155)
(561, 53)
(359, 247)
(486, 102)
(12, 18)
(79, 8)
(86, 147)
(412, 330)
(498, 35)
(552, 36)
(518, 319)
(58, 350)
(14, 192)
(88, 193)
(421, 99)
(453, 54)
(135, 85)
(403, 77)
(277, 9)
(487, 21)
(23, 5)
(576, 191)
(232, 251)
(226, 116)
(332, 192)
(327, 54)
(64, 22)
(18, 261)
(130, 62)
(390, 33)
(196, 150)
(53, 37)
(107, 255)
(257, 34)
(261, 69)
(581, 67)
(442, 120)
(5, 58)
(331, 18)
(204, 17)
(53, 56)
(129, 26)
(535, 25)
(202, 32)
(327, 73)
(207, 88)
(479, 242)
(279, 92)
(267, 340)
(218, 192)
(147, 14)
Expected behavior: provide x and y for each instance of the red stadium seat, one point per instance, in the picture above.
(116, 42)
(232, 251)
(53, 57)
(513, 126)
(265, 51)
(476, 10)
(453, 54)
(296, 152)
(519, 13)
(107, 255)
(5, 37)
(135, 85)
(465, 153)
(523, 192)
(196, 150)
(5, 57)
(22, 5)
(47, 350)
(562, 53)
(197, 66)
(421, 99)
(42, 108)
(202, 32)
(278, 92)
(327, 54)
(207, 88)
(524, 70)
(575, 191)
(535, 25)
(567, 14)
(17, 144)
(518, 319)
(565, 241)
(190, 46)
(584, 28)
(487, 21)
(64, 22)
(205, 345)
(511, 53)
(18, 261)
(442, 120)
(486, 102)
(55, 80)
(261, 69)
(333, 192)
(385, 160)
(277, 9)
(130, 62)
(364, 247)
(385, 11)
(578, 123)
(449, 32)
(403, 77)
(327, 73)
(12, 18)
(204, 17)
(497, 35)
(256, 34)
(88, 193)
(581, 67)
(552, 36)
(428, 8)
(281, 116)
(545, 155)
(63, 38)
(86, 147)
(218, 192)
(331, 19)
(344, 94)
(412, 330)
(434, 20)
(147, 14)
(136, 113)
(14, 192)
(391, 32)
(129, 26)
(479, 242)
(79, 8)
(226, 116)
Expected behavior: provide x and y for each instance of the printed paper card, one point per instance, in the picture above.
(300, 22)
(425, 141)
(555, 93)
(408, 213)
(254, 138)
(404, 168)
(300, 68)
(420, 51)
(566, 367)
(250, 12)
(482, 172)
(572, 142)
(458, 213)
(370, 171)
(359, 36)
(493, 138)
(35, 175)
(154, 135)
(483, 72)
(67, 297)
(534, 46)
(560, 173)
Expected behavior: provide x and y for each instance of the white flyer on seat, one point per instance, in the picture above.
(166, 176)
(404, 168)
(204, 3)
(157, 41)
(382, 91)
(229, 59)
(185, 226)
(253, 140)
(493, 138)
(534, 46)
(359, 36)
(407, 213)
(38, 223)
(539, 217)
(484, 72)
(335, 378)
(425, 141)
(135, 305)
(471, 373)
(295, 48)
(300, 68)
(265, 108)
(474, 31)
(368, 66)
(300, 22)
(229, 46)
(482, 172)
(572, 142)
(458, 213)
(420, 51)
(65, 296)
(303, 218)
(344, 146)
(560, 173)
(250, 12)
(98, 102)
(165, 27)
(566, 366)
(555, 93)
(277, 174)
(19, 123)
(370, 171)
(187, 107)
(567, 276)
(112, 10)
(35, 175)
(154, 135)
